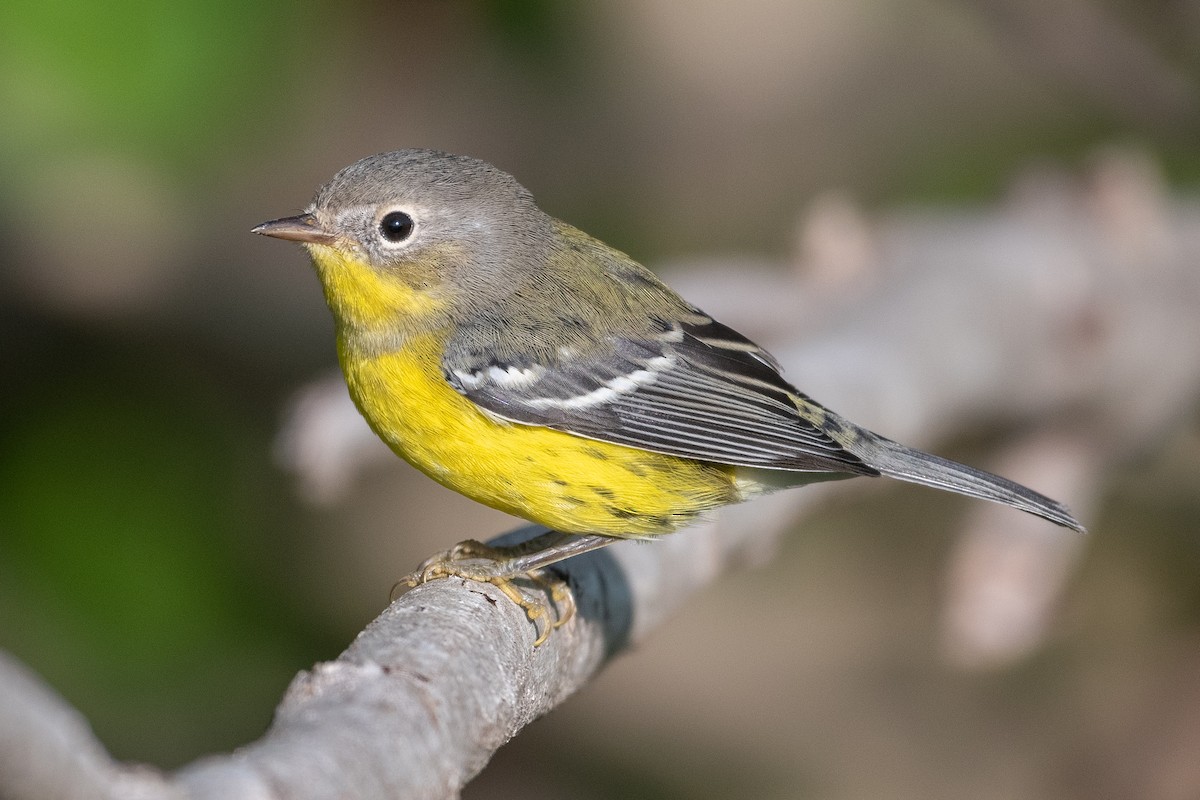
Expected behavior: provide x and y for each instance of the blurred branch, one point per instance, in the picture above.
(1070, 312)
(1006, 575)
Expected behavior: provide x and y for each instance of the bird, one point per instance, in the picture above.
(529, 366)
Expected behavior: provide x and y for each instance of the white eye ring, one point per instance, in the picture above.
(396, 227)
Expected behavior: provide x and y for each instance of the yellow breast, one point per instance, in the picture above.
(553, 478)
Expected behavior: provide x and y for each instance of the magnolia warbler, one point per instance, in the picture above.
(519, 361)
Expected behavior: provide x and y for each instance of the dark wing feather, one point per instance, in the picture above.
(697, 389)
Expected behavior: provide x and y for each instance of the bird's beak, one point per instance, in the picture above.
(300, 228)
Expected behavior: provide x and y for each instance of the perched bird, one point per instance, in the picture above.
(519, 361)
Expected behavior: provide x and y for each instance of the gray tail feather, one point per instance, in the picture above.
(897, 461)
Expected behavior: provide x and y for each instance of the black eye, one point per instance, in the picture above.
(396, 226)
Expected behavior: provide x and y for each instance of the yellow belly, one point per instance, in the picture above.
(565, 482)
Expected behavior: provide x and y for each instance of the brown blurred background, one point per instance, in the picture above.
(161, 571)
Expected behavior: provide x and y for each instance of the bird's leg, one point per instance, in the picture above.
(500, 565)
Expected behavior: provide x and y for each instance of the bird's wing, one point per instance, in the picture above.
(695, 389)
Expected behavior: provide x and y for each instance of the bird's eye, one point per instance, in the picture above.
(396, 226)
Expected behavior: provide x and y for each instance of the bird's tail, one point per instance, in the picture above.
(906, 464)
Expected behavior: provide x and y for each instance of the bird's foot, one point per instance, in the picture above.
(546, 599)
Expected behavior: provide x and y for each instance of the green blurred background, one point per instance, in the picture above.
(158, 568)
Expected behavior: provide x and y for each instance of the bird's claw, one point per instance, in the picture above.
(549, 605)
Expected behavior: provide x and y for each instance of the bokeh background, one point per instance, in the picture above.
(161, 570)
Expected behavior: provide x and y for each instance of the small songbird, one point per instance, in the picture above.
(519, 361)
